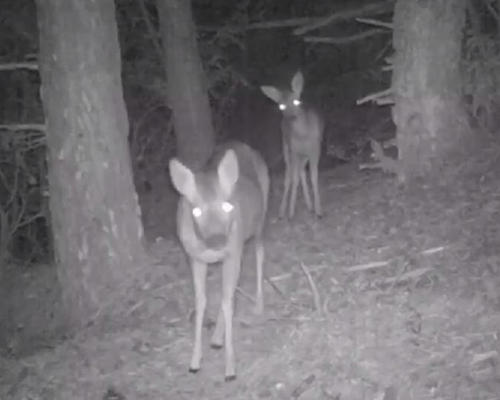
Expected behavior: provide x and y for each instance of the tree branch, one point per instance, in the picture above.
(374, 22)
(259, 25)
(19, 65)
(152, 32)
(344, 40)
(22, 127)
(374, 8)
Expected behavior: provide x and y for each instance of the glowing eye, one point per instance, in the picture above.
(227, 207)
(282, 107)
(196, 212)
(296, 103)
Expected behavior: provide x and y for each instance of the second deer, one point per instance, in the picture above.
(302, 130)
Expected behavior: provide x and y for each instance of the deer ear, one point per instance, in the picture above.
(271, 92)
(297, 83)
(228, 172)
(183, 179)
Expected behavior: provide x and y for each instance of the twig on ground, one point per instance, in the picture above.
(278, 290)
(364, 267)
(288, 275)
(433, 250)
(416, 273)
(316, 297)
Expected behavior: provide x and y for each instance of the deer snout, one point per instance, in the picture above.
(216, 241)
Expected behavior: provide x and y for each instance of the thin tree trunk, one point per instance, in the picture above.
(187, 91)
(98, 234)
(432, 127)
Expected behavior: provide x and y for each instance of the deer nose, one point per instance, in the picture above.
(216, 242)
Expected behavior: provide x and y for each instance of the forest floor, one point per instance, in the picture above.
(407, 282)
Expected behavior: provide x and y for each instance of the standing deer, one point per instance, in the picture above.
(302, 130)
(220, 208)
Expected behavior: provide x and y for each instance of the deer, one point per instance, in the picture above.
(221, 207)
(302, 131)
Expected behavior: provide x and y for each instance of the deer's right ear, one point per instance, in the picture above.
(271, 92)
(183, 179)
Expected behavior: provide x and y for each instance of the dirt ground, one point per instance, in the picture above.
(406, 282)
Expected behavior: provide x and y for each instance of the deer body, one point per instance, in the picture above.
(221, 207)
(302, 129)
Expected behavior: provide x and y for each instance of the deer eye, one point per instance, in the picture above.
(227, 207)
(282, 107)
(296, 103)
(196, 212)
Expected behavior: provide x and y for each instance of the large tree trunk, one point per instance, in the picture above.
(95, 214)
(187, 91)
(432, 128)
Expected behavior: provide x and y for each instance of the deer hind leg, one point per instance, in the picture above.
(313, 168)
(296, 166)
(259, 258)
(305, 189)
(287, 181)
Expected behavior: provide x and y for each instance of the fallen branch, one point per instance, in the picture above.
(366, 267)
(433, 250)
(387, 164)
(288, 275)
(316, 297)
(415, 274)
(489, 355)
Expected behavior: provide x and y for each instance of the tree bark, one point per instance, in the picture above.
(186, 83)
(432, 125)
(98, 234)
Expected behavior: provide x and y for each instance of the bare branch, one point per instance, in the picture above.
(374, 22)
(344, 40)
(493, 12)
(30, 219)
(152, 31)
(260, 25)
(374, 8)
(23, 127)
(375, 96)
(20, 65)
(3, 180)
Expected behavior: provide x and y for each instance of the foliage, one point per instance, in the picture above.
(151, 140)
(23, 197)
(481, 68)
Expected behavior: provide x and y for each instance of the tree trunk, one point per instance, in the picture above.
(432, 127)
(98, 234)
(187, 92)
